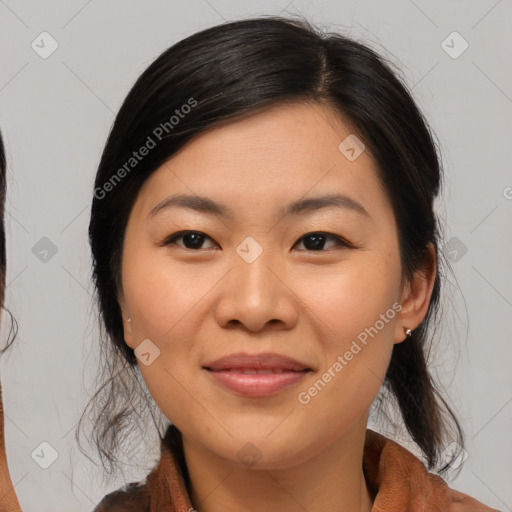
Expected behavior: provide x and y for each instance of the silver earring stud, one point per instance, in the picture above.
(128, 320)
(408, 332)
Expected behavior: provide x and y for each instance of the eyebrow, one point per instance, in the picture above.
(208, 206)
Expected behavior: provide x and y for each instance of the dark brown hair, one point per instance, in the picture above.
(3, 185)
(13, 329)
(232, 70)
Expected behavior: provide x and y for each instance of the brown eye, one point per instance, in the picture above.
(191, 239)
(316, 241)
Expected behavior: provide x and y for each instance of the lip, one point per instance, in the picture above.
(257, 375)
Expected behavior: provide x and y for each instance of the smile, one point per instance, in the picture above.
(257, 383)
(256, 375)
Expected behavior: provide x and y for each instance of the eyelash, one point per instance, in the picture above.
(340, 242)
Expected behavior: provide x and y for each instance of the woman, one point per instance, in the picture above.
(266, 255)
(8, 499)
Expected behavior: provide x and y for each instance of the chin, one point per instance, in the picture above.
(255, 449)
(273, 457)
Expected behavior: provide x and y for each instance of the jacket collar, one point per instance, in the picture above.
(396, 478)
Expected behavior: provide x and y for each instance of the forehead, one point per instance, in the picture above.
(277, 155)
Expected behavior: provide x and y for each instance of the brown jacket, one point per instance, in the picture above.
(398, 481)
(8, 499)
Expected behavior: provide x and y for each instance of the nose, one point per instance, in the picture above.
(257, 296)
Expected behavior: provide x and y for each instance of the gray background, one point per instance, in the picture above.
(55, 114)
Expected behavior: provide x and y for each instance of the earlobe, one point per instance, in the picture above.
(416, 297)
(127, 326)
(127, 323)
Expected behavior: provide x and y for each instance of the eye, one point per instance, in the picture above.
(191, 239)
(316, 241)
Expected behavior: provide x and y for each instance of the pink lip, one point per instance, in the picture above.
(256, 375)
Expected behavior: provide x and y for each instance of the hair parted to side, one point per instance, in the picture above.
(233, 70)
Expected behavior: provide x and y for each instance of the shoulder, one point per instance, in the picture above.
(400, 481)
(464, 503)
(133, 497)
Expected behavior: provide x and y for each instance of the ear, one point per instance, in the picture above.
(127, 326)
(416, 294)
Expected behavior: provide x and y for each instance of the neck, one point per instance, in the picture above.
(331, 480)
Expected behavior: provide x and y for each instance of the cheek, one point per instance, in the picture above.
(355, 318)
(164, 298)
(165, 302)
(348, 301)
(357, 324)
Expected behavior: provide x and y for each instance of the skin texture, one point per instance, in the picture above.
(197, 305)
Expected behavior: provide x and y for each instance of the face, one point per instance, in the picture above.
(269, 318)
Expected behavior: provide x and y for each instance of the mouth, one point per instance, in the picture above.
(256, 375)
